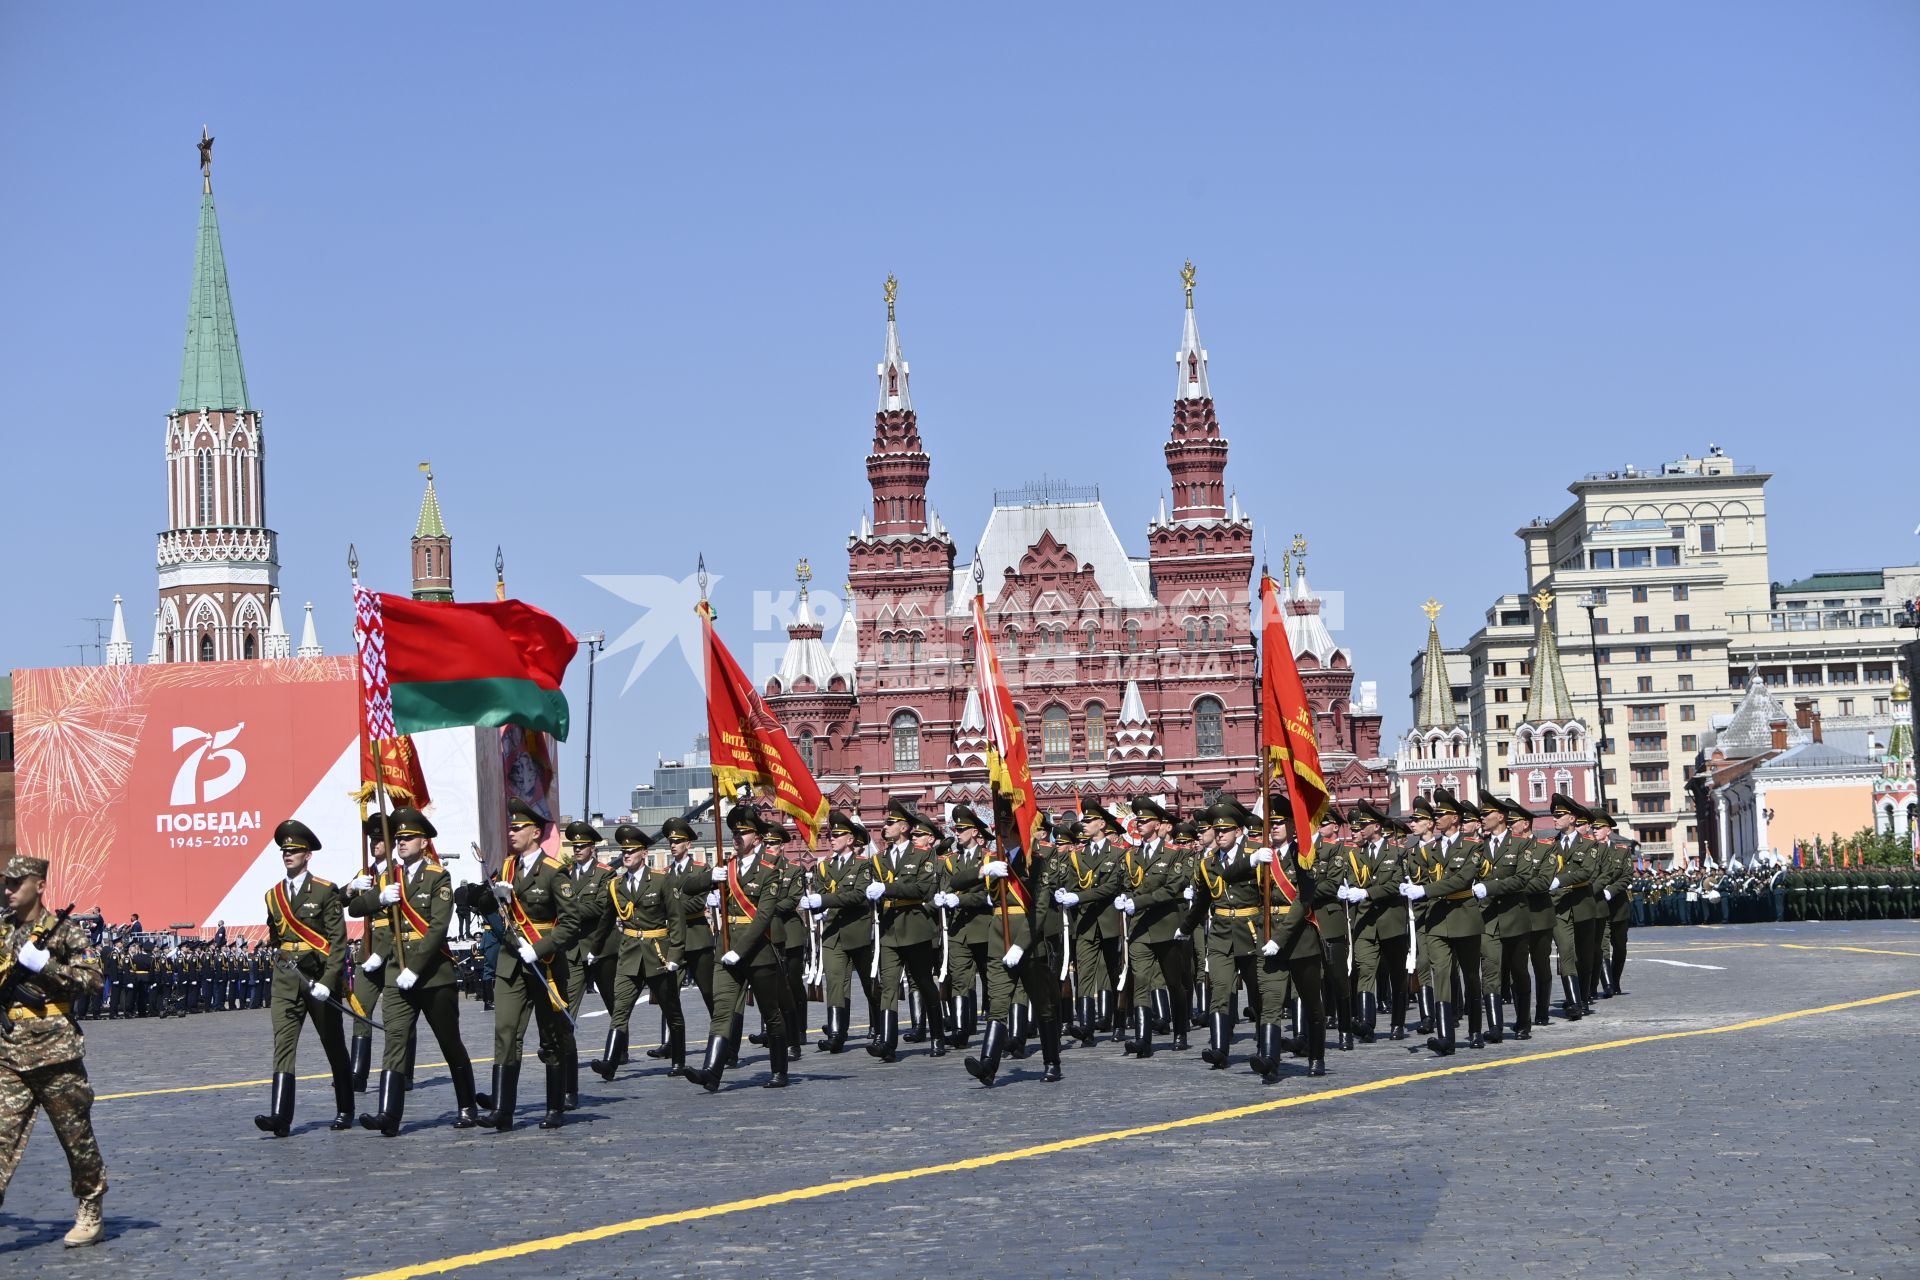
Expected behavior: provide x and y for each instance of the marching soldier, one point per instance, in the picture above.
(967, 922)
(905, 877)
(421, 979)
(1451, 882)
(1291, 950)
(590, 960)
(308, 930)
(1025, 945)
(1417, 862)
(1154, 879)
(1227, 898)
(838, 890)
(790, 935)
(1088, 896)
(1614, 911)
(651, 930)
(1514, 864)
(41, 1063)
(1336, 863)
(1380, 936)
(1573, 909)
(1105, 850)
(536, 897)
(753, 889)
(369, 979)
(698, 926)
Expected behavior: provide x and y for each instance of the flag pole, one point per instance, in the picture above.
(1266, 785)
(719, 847)
(380, 788)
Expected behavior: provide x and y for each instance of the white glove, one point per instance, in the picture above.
(1555, 885)
(731, 958)
(1179, 935)
(1413, 892)
(995, 870)
(713, 897)
(319, 990)
(1187, 893)
(1607, 894)
(876, 890)
(527, 953)
(1356, 895)
(1272, 947)
(390, 895)
(1479, 889)
(809, 902)
(502, 891)
(1012, 958)
(372, 963)
(406, 979)
(953, 899)
(35, 957)
(1124, 904)
(1259, 857)
(360, 883)
(673, 966)
(589, 957)
(1066, 897)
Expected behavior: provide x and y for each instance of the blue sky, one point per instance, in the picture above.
(616, 270)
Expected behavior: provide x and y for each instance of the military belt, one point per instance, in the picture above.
(381, 922)
(51, 1009)
(298, 946)
(643, 933)
(1236, 913)
(898, 904)
(1455, 897)
(739, 919)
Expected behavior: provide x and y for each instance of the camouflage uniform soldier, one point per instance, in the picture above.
(48, 960)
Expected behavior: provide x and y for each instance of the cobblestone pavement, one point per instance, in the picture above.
(1771, 1149)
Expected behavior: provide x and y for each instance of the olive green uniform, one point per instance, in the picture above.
(908, 939)
(316, 952)
(753, 902)
(649, 938)
(846, 941)
(1380, 933)
(543, 893)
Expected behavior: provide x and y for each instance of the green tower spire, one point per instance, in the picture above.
(211, 376)
(1436, 691)
(1547, 697)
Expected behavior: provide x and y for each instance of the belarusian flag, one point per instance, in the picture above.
(427, 665)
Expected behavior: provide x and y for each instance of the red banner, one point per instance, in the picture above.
(1007, 769)
(749, 746)
(1287, 739)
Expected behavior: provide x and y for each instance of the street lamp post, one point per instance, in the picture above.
(595, 641)
(1589, 602)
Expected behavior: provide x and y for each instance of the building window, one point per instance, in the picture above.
(1056, 736)
(1709, 538)
(1686, 711)
(1643, 653)
(1678, 532)
(1683, 622)
(1502, 748)
(1846, 706)
(206, 648)
(1643, 684)
(1133, 637)
(1599, 626)
(1683, 653)
(906, 741)
(1666, 557)
(1096, 731)
(1500, 695)
(203, 484)
(1499, 668)
(1193, 633)
(249, 648)
(1208, 733)
(899, 558)
(1648, 711)
(1686, 684)
(1603, 655)
(1603, 560)
(1639, 597)
(1680, 591)
(805, 745)
(1635, 558)
(1689, 742)
(1500, 722)
(1537, 786)
(1642, 624)
(1093, 638)
(1606, 684)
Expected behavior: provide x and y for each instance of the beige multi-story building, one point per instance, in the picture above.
(1663, 607)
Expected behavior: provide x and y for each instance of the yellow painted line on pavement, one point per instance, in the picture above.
(1865, 951)
(1699, 946)
(549, 1244)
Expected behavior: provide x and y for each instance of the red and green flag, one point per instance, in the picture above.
(439, 665)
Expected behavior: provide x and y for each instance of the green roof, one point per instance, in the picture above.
(1861, 580)
(210, 372)
(430, 524)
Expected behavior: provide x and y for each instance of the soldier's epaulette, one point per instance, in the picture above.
(558, 864)
(325, 884)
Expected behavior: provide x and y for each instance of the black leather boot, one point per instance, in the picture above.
(1083, 1030)
(985, 1067)
(1614, 975)
(506, 1091)
(466, 1109)
(1316, 1051)
(1019, 1029)
(887, 1047)
(1570, 988)
(1143, 1032)
(377, 1118)
(279, 1117)
(1475, 1016)
(677, 1050)
(393, 1096)
(1219, 1041)
(829, 1042)
(360, 1061)
(570, 1082)
(936, 1016)
(609, 1062)
(1268, 1063)
(916, 1017)
(342, 1104)
(556, 1096)
(777, 1050)
(1425, 1025)
(660, 1050)
(1050, 1051)
(1441, 1042)
(1494, 1014)
(707, 1075)
(1369, 1017)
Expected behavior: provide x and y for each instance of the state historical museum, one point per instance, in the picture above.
(1135, 677)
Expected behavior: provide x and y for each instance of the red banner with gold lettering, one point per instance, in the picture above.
(1287, 740)
(749, 746)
